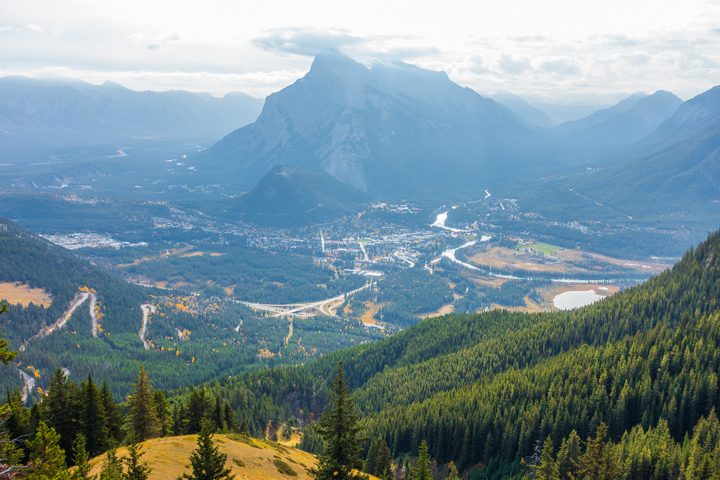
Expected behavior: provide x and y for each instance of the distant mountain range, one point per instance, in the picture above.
(629, 120)
(392, 130)
(523, 110)
(37, 113)
(675, 168)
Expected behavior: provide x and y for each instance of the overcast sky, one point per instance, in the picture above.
(567, 50)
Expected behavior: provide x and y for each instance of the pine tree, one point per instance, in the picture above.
(198, 409)
(379, 459)
(47, 459)
(338, 427)
(112, 467)
(568, 457)
(63, 409)
(207, 461)
(136, 469)
(599, 461)
(548, 467)
(162, 407)
(94, 421)
(422, 469)
(371, 461)
(229, 416)
(219, 416)
(80, 458)
(112, 415)
(142, 414)
(6, 355)
(453, 473)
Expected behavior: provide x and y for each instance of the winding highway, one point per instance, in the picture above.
(325, 307)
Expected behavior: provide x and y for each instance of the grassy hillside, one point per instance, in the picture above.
(248, 457)
(485, 388)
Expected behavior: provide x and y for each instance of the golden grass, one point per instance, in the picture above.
(16, 293)
(248, 458)
(368, 316)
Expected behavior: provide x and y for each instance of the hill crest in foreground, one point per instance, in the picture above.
(248, 457)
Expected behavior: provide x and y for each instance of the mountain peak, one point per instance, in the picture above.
(337, 64)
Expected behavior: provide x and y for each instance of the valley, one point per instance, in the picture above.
(376, 268)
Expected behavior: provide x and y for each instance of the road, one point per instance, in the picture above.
(93, 314)
(78, 300)
(325, 307)
(28, 385)
(147, 310)
(450, 254)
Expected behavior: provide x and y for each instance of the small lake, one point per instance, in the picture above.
(576, 299)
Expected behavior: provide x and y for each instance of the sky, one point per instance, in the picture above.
(566, 51)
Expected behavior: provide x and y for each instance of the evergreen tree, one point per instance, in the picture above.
(17, 416)
(207, 461)
(422, 469)
(229, 417)
(568, 457)
(6, 355)
(379, 459)
(112, 415)
(80, 458)
(94, 421)
(47, 459)
(599, 461)
(371, 461)
(198, 409)
(112, 467)
(548, 467)
(11, 455)
(142, 413)
(453, 473)
(162, 407)
(136, 469)
(218, 415)
(339, 429)
(63, 409)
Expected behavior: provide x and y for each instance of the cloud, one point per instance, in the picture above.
(305, 42)
(509, 64)
(29, 27)
(560, 66)
(154, 42)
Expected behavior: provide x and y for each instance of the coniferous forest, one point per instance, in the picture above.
(625, 388)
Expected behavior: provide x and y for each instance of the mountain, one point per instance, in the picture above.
(484, 389)
(628, 121)
(292, 196)
(523, 110)
(675, 169)
(39, 112)
(393, 130)
(566, 112)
